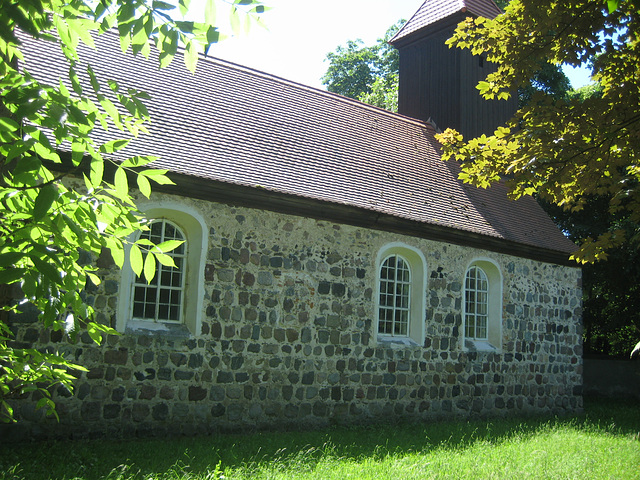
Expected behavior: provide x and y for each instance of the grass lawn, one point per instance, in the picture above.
(602, 443)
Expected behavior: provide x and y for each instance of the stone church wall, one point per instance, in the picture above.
(288, 338)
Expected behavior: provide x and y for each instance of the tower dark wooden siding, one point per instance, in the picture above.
(439, 83)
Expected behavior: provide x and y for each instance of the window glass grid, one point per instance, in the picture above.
(162, 299)
(395, 292)
(476, 304)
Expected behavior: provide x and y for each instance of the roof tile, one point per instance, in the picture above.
(432, 11)
(240, 126)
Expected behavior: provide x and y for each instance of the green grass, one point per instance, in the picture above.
(602, 443)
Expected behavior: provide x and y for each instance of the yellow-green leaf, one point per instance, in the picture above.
(121, 183)
(143, 185)
(149, 267)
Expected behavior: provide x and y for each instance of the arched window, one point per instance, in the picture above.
(162, 299)
(401, 294)
(395, 296)
(482, 314)
(476, 301)
(173, 302)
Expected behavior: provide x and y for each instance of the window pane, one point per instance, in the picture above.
(395, 278)
(476, 303)
(138, 309)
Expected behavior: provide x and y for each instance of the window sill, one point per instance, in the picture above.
(397, 341)
(138, 327)
(479, 346)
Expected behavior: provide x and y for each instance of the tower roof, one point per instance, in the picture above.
(433, 11)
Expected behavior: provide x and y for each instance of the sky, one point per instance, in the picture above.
(300, 33)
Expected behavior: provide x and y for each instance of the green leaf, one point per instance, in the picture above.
(28, 163)
(75, 228)
(114, 145)
(8, 125)
(169, 46)
(111, 110)
(135, 259)
(77, 152)
(93, 79)
(213, 36)
(94, 278)
(613, 5)
(157, 176)
(165, 259)
(117, 252)
(97, 172)
(143, 185)
(113, 85)
(158, 5)
(9, 259)
(121, 183)
(138, 161)
(75, 81)
(46, 196)
(191, 56)
(169, 245)
(210, 12)
(149, 267)
(94, 332)
(46, 269)
(11, 275)
(234, 19)
(184, 6)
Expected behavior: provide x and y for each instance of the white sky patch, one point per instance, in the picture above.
(300, 33)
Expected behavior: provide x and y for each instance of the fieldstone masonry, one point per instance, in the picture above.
(289, 338)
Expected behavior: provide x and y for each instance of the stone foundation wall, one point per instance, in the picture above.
(288, 337)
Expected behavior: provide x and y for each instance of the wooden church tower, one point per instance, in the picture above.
(438, 82)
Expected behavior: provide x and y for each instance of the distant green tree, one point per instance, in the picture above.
(351, 69)
(383, 94)
(369, 74)
(548, 79)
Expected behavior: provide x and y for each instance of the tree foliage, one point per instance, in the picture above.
(569, 150)
(65, 200)
(611, 289)
(368, 74)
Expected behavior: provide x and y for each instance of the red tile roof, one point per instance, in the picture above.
(433, 11)
(231, 124)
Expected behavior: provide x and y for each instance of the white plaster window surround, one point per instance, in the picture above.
(482, 306)
(176, 307)
(400, 294)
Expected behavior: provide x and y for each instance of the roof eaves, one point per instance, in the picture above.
(343, 212)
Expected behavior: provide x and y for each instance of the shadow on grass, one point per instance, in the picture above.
(196, 456)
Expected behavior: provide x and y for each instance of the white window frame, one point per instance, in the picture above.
(476, 302)
(416, 307)
(395, 296)
(193, 226)
(492, 341)
(158, 283)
